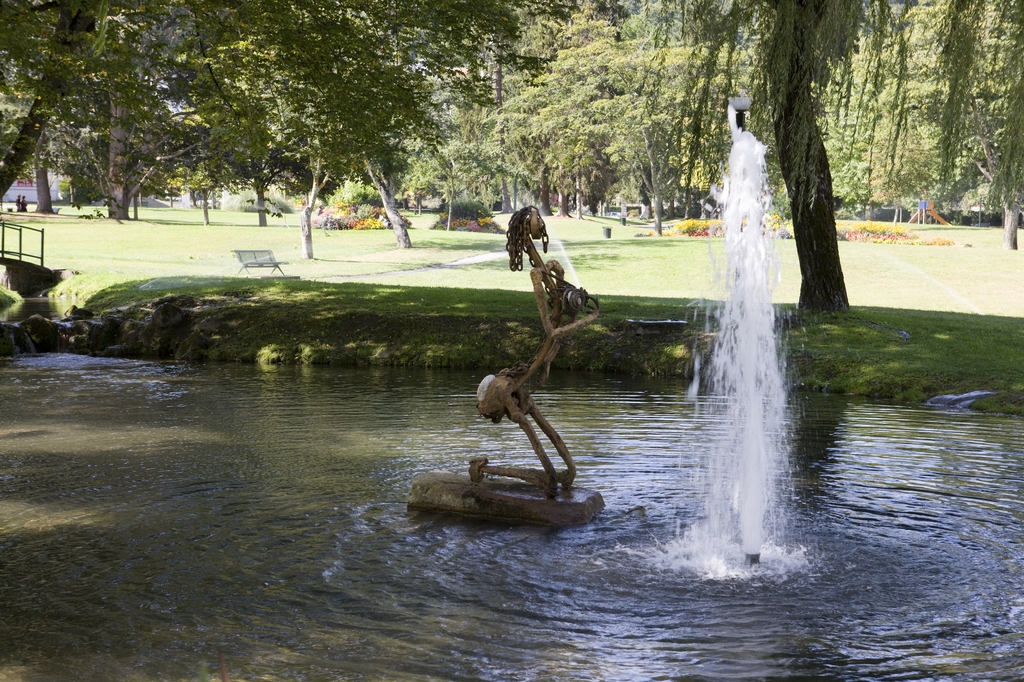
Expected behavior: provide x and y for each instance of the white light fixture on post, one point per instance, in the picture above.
(742, 105)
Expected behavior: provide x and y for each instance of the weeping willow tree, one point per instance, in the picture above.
(803, 45)
(983, 70)
(800, 48)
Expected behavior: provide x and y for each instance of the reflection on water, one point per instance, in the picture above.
(151, 514)
(51, 308)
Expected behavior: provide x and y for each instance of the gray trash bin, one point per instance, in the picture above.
(607, 233)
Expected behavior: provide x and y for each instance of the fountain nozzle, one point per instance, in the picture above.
(741, 105)
(753, 559)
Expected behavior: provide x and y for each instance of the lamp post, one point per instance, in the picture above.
(742, 105)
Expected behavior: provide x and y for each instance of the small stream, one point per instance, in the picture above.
(152, 514)
(50, 308)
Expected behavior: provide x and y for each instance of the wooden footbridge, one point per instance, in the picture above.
(21, 253)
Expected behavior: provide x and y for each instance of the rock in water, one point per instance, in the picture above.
(43, 333)
(6, 342)
(446, 492)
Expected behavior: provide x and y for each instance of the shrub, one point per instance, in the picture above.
(246, 202)
(469, 210)
(353, 193)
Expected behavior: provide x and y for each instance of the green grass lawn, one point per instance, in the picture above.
(962, 307)
(167, 243)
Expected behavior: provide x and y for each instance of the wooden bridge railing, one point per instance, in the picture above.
(10, 234)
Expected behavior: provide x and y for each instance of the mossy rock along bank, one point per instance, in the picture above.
(245, 327)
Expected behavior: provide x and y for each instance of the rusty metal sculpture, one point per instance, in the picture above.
(504, 395)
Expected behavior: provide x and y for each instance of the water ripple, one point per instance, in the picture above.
(151, 514)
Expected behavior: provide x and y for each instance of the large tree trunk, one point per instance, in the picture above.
(118, 191)
(499, 98)
(822, 285)
(261, 203)
(43, 204)
(545, 192)
(306, 215)
(579, 199)
(563, 204)
(206, 207)
(506, 197)
(654, 180)
(385, 185)
(306, 230)
(19, 153)
(120, 209)
(805, 168)
(1011, 222)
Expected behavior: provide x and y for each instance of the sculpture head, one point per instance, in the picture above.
(524, 226)
(538, 230)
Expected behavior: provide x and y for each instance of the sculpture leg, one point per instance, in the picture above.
(566, 477)
(549, 468)
(479, 466)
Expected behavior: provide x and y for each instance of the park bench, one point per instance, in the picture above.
(256, 258)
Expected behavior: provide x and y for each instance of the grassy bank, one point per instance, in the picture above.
(910, 355)
(369, 324)
(883, 353)
(8, 297)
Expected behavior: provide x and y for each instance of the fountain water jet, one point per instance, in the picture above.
(746, 372)
(570, 270)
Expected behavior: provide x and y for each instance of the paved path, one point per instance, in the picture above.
(469, 260)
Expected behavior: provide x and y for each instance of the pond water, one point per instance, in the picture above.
(153, 514)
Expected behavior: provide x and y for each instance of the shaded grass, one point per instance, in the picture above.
(908, 355)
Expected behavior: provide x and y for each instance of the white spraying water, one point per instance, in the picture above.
(746, 385)
(746, 370)
(570, 271)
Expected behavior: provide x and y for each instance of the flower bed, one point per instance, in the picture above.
(482, 224)
(700, 227)
(362, 217)
(692, 227)
(884, 233)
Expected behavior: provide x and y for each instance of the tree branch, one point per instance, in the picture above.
(990, 156)
(988, 176)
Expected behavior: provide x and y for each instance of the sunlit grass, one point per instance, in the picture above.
(981, 278)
